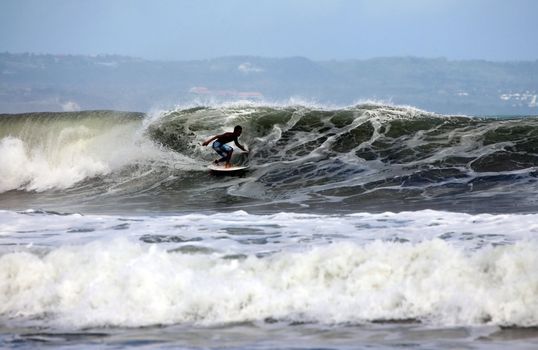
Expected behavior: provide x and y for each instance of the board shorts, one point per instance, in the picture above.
(222, 149)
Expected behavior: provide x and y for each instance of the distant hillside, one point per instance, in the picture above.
(53, 83)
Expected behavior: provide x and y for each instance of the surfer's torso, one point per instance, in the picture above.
(227, 137)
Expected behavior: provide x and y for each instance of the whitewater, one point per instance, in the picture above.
(355, 227)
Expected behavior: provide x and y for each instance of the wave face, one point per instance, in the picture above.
(367, 156)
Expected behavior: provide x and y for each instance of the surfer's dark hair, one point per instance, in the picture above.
(238, 128)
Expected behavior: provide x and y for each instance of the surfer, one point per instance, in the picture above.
(220, 145)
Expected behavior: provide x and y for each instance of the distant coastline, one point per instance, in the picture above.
(45, 82)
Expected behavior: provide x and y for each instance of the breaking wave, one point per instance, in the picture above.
(299, 154)
(118, 283)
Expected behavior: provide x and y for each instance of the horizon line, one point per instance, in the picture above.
(442, 58)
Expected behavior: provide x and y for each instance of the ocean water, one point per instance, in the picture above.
(368, 226)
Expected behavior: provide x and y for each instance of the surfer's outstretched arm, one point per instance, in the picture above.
(206, 142)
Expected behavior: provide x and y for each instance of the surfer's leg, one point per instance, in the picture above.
(221, 151)
(228, 151)
(228, 158)
(224, 151)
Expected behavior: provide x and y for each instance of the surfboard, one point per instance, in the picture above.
(223, 169)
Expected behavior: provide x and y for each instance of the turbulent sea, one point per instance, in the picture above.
(364, 227)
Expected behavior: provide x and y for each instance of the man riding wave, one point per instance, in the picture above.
(220, 145)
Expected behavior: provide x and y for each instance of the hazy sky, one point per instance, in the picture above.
(318, 29)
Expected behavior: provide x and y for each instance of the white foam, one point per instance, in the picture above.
(291, 102)
(68, 154)
(451, 269)
(282, 230)
(122, 283)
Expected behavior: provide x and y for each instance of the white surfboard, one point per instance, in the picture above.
(222, 168)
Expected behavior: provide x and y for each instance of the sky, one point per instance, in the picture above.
(496, 30)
